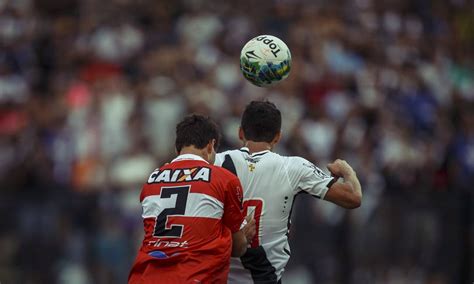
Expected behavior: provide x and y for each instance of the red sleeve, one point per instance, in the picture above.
(233, 210)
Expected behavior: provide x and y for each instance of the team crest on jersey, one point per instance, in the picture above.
(251, 167)
(180, 175)
(317, 171)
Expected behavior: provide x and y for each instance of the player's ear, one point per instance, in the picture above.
(241, 134)
(210, 146)
(277, 138)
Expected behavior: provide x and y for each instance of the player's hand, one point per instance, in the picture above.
(249, 229)
(340, 168)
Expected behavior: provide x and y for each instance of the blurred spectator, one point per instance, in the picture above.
(90, 95)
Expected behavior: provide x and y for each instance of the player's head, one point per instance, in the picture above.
(261, 122)
(199, 133)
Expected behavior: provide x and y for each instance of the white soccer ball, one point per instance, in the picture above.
(265, 60)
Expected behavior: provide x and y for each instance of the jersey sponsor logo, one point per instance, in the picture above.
(167, 244)
(180, 175)
(317, 171)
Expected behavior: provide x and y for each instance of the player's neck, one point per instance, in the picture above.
(255, 147)
(193, 150)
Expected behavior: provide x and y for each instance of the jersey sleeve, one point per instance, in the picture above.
(305, 176)
(233, 209)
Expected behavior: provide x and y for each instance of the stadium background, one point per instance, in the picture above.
(90, 92)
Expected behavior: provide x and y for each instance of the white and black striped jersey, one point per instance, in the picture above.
(270, 183)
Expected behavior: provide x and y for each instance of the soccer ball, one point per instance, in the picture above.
(265, 60)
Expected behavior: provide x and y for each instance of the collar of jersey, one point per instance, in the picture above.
(245, 149)
(189, 157)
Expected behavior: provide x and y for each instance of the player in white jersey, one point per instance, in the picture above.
(271, 183)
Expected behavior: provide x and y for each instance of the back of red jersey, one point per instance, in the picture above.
(190, 210)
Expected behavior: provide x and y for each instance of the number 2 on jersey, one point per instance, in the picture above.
(161, 228)
(255, 205)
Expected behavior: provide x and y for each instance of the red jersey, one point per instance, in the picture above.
(190, 210)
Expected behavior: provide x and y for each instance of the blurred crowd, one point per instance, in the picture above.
(90, 92)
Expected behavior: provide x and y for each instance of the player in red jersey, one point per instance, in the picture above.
(192, 213)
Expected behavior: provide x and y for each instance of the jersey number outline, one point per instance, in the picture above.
(255, 206)
(162, 229)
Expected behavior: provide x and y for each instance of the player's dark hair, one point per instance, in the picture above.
(196, 130)
(261, 121)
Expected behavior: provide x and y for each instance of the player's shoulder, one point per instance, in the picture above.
(222, 173)
(229, 154)
(296, 160)
(296, 164)
(288, 160)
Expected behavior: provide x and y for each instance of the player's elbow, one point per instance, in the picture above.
(238, 252)
(353, 199)
(239, 249)
(344, 195)
(354, 202)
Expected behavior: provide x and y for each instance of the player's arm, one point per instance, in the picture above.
(234, 218)
(243, 237)
(305, 176)
(347, 193)
(239, 244)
